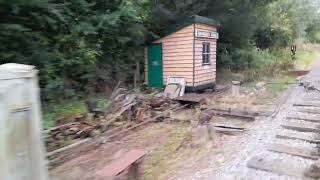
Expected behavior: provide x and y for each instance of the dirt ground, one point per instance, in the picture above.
(165, 159)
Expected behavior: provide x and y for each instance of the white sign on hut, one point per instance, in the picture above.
(188, 51)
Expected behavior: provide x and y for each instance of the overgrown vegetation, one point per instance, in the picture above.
(53, 112)
(306, 56)
(83, 47)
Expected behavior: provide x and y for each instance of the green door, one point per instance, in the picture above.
(155, 65)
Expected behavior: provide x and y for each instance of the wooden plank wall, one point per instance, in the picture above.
(177, 49)
(205, 74)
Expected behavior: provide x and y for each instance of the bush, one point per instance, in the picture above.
(272, 37)
(254, 63)
(241, 59)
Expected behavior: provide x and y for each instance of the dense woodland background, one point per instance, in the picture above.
(82, 47)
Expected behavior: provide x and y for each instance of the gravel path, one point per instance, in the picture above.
(262, 132)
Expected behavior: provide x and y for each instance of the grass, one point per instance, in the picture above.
(164, 161)
(279, 84)
(64, 109)
(305, 57)
(161, 158)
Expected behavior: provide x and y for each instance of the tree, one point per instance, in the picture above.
(78, 45)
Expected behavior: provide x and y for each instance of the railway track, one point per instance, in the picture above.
(297, 155)
(293, 151)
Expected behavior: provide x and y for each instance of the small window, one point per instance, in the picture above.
(205, 53)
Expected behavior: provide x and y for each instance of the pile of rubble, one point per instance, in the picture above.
(126, 110)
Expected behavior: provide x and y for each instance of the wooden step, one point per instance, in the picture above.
(276, 166)
(305, 118)
(295, 136)
(312, 99)
(307, 104)
(308, 110)
(301, 127)
(309, 153)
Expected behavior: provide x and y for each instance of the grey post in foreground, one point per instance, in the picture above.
(22, 154)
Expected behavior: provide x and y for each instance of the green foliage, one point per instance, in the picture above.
(60, 110)
(305, 57)
(83, 46)
(80, 46)
(313, 32)
(280, 84)
(272, 38)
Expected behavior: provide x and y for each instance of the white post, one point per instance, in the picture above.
(22, 153)
(235, 88)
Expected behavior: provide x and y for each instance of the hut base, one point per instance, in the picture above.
(200, 88)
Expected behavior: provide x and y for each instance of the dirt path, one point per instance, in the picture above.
(231, 162)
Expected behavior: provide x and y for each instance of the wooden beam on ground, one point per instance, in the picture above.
(309, 153)
(275, 166)
(307, 110)
(305, 118)
(227, 129)
(301, 127)
(110, 171)
(295, 136)
(307, 104)
(235, 114)
(314, 99)
(239, 111)
(227, 126)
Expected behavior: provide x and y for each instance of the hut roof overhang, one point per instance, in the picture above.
(192, 19)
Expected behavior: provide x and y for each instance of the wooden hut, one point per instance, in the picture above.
(186, 50)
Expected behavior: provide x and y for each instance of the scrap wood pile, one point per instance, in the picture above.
(126, 110)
